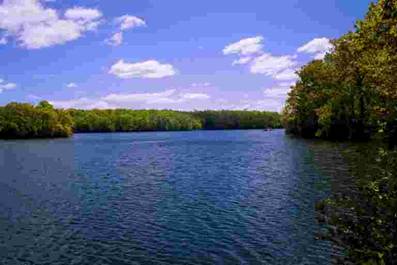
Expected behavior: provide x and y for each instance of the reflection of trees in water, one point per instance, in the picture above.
(361, 214)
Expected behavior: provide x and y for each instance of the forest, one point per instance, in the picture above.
(352, 95)
(22, 120)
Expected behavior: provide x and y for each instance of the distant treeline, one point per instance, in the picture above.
(352, 93)
(124, 120)
(22, 120)
(238, 119)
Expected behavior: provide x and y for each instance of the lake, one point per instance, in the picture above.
(200, 197)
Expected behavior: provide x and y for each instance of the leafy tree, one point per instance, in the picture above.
(352, 94)
(27, 121)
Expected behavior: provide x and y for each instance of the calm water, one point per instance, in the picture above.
(204, 197)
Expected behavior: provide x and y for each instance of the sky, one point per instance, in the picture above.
(158, 54)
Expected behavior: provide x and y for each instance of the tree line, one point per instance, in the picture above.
(22, 120)
(352, 95)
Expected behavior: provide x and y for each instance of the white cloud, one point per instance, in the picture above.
(40, 36)
(317, 47)
(287, 84)
(278, 92)
(272, 65)
(124, 23)
(251, 52)
(116, 39)
(287, 74)
(137, 97)
(195, 96)
(242, 60)
(129, 22)
(146, 69)
(81, 103)
(71, 85)
(268, 104)
(245, 46)
(273, 98)
(201, 85)
(158, 100)
(83, 14)
(320, 56)
(264, 103)
(3, 41)
(33, 97)
(34, 26)
(6, 86)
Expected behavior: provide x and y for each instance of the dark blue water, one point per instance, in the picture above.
(203, 197)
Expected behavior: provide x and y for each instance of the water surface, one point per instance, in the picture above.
(202, 197)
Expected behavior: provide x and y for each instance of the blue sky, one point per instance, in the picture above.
(173, 54)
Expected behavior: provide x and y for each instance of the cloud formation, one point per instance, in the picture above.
(156, 100)
(242, 60)
(245, 46)
(124, 23)
(128, 22)
(318, 48)
(6, 85)
(285, 75)
(278, 92)
(116, 39)
(146, 69)
(270, 65)
(71, 85)
(189, 96)
(34, 26)
(3, 40)
(251, 52)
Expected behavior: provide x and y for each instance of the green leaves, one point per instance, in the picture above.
(27, 121)
(352, 94)
(354, 89)
(166, 120)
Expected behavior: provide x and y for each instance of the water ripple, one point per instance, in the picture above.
(221, 197)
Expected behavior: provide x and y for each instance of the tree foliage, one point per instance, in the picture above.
(124, 120)
(21, 120)
(238, 119)
(352, 93)
(27, 121)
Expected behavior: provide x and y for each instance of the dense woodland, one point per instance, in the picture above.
(352, 95)
(123, 120)
(238, 119)
(20, 120)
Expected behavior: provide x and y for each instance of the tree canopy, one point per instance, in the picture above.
(352, 93)
(22, 120)
(19, 120)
